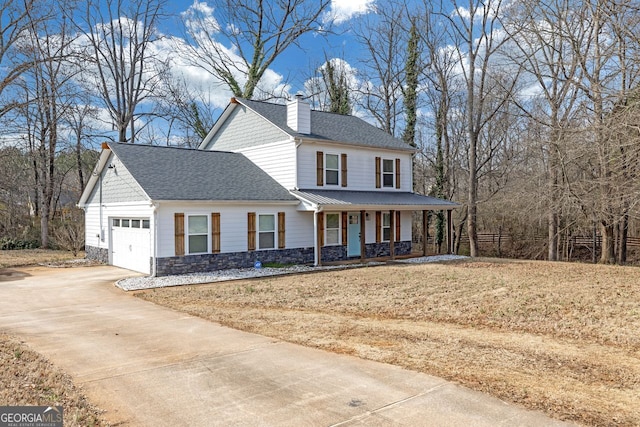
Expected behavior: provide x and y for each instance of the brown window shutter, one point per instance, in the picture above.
(397, 239)
(378, 226)
(251, 227)
(397, 173)
(215, 232)
(378, 172)
(343, 162)
(281, 229)
(319, 168)
(344, 228)
(178, 221)
(321, 228)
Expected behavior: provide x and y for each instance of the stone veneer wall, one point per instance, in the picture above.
(211, 262)
(98, 254)
(375, 250)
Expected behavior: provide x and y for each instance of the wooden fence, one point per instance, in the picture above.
(587, 241)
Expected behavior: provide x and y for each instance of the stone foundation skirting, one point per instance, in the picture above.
(97, 254)
(222, 261)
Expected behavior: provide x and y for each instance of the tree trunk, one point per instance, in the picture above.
(608, 255)
(472, 202)
(623, 232)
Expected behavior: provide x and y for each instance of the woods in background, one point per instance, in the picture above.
(526, 113)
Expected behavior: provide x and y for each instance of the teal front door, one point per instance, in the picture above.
(353, 235)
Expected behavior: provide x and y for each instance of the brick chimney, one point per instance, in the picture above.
(299, 115)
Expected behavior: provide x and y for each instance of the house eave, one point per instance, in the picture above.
(306, 139)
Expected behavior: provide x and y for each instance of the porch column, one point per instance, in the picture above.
(425, 231)
(363, 239)
(392, 232)
(449, 233)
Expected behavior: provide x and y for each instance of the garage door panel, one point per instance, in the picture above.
(131, 247)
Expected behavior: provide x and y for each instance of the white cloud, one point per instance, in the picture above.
(343, 10)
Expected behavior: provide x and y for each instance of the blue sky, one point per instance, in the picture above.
(295, 64)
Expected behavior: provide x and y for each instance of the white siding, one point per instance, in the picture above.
(277, 160)
(118, 185)
(361, 169)
(245, 128)
(233, 225)
(97, 230)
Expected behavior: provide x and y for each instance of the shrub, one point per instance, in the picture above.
(7, 244)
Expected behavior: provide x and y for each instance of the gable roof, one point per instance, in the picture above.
(171, 173)
(329, 127)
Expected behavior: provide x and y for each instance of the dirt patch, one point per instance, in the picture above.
(24, 257)
(26, 378)
(558, 337)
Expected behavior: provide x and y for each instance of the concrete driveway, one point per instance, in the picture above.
(151, 366)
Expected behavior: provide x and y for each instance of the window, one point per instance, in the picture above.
(266, 231)
(125, 223)
(332, 169)
(386, 226)
(333, 229)
(145, 223)
(135, 223)
(387, 173)
(198, 230)
(116, 222)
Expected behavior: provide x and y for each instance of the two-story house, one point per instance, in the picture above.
(270, 183)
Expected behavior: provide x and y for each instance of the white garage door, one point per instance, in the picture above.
(131, 244)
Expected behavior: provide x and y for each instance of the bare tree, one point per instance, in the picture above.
(474, 32)
(186, 110)
(17, 17)
(46, 101)
(123, 64)
(237, 41)
(542, 33)
(384, 37)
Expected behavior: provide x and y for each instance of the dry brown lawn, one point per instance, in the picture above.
(558, 337)
(26, 378)
(19, 258)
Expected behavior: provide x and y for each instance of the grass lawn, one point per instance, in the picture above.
(19, 258)
(563, 338)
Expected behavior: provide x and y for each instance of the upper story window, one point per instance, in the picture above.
(387, 173)
(332, 169)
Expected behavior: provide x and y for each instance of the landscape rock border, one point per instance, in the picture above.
(148, 282)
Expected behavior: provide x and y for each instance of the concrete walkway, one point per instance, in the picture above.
(150, 366)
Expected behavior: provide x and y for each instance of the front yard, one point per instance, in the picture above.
(562, 338)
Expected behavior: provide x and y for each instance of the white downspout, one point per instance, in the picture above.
(315, 238)
(155, 240)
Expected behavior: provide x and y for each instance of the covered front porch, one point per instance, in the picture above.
(366, 225)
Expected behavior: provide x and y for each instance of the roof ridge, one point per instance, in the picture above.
(196, 149)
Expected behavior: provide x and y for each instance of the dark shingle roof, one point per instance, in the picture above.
(347, 199)
(330, 127)
(170, 173)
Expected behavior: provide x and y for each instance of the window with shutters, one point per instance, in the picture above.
(388, 172)
(386, 226)
(332, 229)
(266, 231)
(197, 234)
(332, 169)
